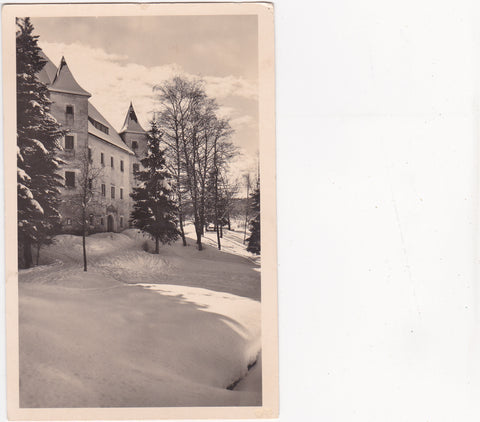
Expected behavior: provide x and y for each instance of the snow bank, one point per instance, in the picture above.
(68, 248)
(129, 346)
(91, 340)
(242, 316)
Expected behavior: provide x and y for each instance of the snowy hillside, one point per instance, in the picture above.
(138, 329)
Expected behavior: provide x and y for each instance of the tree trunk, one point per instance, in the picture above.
(84, 235)
(27, 253)
(221, 231)
(202, 222)
(179, 193)
(39, 245)
(228, 222)
(84, 250)
(182, 232)
(180, 213)
(157, 245)
(246, 213)
(218, 239)
(198, 231)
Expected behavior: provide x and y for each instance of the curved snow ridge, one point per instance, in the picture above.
(96, 244)
(136, 261)
(42, 268)
(240, 314)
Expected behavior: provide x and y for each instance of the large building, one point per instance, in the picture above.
(94, 153)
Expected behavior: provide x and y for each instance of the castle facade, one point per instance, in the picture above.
(96, 156)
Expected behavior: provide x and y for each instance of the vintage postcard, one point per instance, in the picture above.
(140, 215)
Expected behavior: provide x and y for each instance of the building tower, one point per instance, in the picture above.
(133, 134)
(70, 108)
(135, 138)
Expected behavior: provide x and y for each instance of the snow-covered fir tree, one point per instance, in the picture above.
(254, 239)
(38, 135)
(154, 212)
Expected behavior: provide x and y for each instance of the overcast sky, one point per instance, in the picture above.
(119, 59)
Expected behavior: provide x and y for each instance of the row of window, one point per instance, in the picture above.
(91, 220)
(112, 191)
(112, 162)
(70, 141)
(70, 183)
(70, 145)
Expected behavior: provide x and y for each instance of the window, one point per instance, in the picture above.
(89, 154)
(69, 179)
(69, 142)
(98, 125)
(102, 159)
(135, 168)
(134, 144)
(69, 110)
(91, 220)
(104, 193)
(121, 221)
(69, 221)
(111, 162)
(121, 193)
(101, 221)
(90, 183)
(121, 165)
(113, 192)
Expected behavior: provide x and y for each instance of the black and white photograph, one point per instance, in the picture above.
(139, 226)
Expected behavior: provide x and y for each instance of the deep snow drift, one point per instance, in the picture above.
(139, 329)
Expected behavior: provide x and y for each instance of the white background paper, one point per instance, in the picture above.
(378, 133)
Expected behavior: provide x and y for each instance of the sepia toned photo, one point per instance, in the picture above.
(141, 258)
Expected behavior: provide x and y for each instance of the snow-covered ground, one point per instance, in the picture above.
(139, 329)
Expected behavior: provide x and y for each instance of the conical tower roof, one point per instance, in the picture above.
(131, 122)
(65, 82)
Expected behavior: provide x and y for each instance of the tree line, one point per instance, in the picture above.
(184, 173)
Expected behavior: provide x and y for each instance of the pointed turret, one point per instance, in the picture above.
(65, 82)
(133, 134)
(131, 122)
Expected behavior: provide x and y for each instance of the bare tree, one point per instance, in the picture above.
(222, 152)
(247, 205)
(177, 99)
(197, 144)
(228, 192)
(87, 197)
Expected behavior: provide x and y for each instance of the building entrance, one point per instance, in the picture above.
(110, 223)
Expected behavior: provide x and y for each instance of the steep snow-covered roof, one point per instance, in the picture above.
(131, 122)
(62, 80)
(65, 82)
(112, 137)
(47, 74)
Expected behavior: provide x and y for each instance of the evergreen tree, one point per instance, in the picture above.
(154, 212)
(38, 135)
(254, 239)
